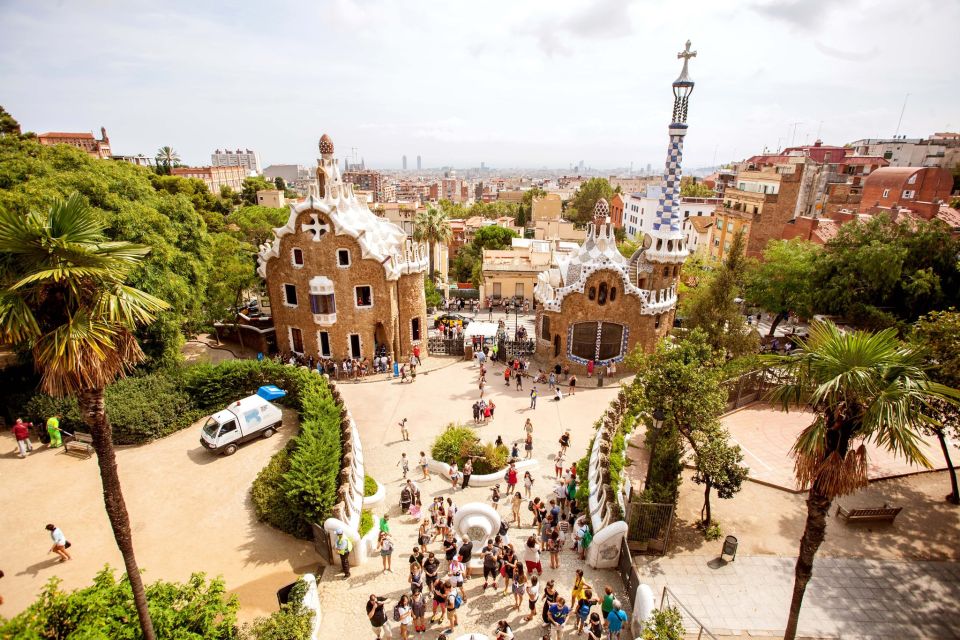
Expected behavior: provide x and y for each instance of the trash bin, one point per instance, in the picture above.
(729, 553)
(468, 352)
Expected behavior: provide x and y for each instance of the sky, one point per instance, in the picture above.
(513, 83)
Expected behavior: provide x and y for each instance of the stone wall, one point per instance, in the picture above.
(387, 321)
(605, 505)
(640, 328)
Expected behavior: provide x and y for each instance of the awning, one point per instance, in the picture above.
(485, 329)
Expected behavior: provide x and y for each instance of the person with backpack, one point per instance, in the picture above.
(533, 398)
(454, 600)
(377, 617)
(455, 571)
(595, 627)
(440, 591)
(403, 615)
(583, 609)
(615, 621)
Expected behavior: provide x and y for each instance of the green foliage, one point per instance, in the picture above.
(666, 624)
(253, 184)
(468, 263)
(268, 494)
(366, 522)
(146, 407)
(432, 226)
(493, 237)
(712, 531)
(883, 273)
(166, 158)
(938, 333)
(780, 283)
(581, 206)
(8, 124)
(666, 466)
(718, 464)
(713, 309)
(254, 224)
(434, 299)
(291, 622)
(236, 272)
(194, 610)
(137, 206)
(692, 189)
(279, 183)
(369, 486)
(458, 443)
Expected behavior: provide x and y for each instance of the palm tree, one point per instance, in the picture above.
(64, 298)
(863, 387)
(432, 226)
(166, 158)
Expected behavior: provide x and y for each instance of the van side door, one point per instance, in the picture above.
(229, 432)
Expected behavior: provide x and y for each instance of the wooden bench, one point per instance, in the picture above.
(877, 514)
(80, 445)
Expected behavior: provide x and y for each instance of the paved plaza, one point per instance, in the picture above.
(848, 598)
(767, 434)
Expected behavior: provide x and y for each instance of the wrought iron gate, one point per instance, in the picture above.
(649, 525)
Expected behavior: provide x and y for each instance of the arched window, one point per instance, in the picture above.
(656, 321)
(669, 245)
(613, 294)
(676, 270)
(659, 244)
(592, 293)
(666, 272)
(545, 327)
(602, 295)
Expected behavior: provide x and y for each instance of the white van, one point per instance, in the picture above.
(243, 420)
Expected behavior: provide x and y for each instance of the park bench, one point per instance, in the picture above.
(876, 514)
(80, 445)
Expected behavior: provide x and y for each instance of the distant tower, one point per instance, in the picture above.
(419, 164)
(404, 163)
(667, 237)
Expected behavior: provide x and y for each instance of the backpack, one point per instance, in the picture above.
(457, 601)
(530, 506)
(396, 613)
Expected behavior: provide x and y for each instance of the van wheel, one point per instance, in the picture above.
(230, 449)
(268, 432)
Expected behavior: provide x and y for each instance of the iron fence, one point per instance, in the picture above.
(690, 622)
(445, 346)
(515, 348)
(648, 526)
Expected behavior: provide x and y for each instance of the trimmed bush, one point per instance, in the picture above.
(369, 486)
(458, 443)
(366, 522)
(291, 622)
(269, 501)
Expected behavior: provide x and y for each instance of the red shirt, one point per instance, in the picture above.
(416, 351)
(20, 430)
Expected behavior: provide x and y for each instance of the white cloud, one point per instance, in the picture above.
(507, 82)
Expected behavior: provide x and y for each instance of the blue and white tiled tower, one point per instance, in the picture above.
(667, 236)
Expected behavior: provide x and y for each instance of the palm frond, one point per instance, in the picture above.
(127, 306)
(18, 325)
(73, 221)
(60, 274)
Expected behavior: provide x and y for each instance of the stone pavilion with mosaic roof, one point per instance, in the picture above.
(343, 282)
(598, 305)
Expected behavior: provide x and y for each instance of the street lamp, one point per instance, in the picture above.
(658, 416)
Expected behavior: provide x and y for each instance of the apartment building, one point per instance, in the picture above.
(245, 158)
(366, 180)
(214, 177)
(640, 209)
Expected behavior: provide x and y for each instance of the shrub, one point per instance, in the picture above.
(492, 458)
(366, 522)
(195, 609)
(269, 500)
(369, 486)
(144, 408)
(457, 443)
(666, 466)
(41, 406)
(666, 624)
(291, 622)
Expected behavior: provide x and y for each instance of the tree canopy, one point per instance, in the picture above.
(881, 273)
(468, 263)
(781, 282)
(580, 208)
(692, 189)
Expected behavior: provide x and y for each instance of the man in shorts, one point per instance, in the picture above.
(378, 617)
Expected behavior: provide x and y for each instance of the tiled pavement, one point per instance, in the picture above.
(847, 598)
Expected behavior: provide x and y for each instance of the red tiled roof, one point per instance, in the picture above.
(949, 215)
(61, 134)
(827, 229)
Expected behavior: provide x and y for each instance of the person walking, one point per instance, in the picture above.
(595, 627)
(467, 472)
(418, 604)
(515, 503)
(491, 563)
(416, 354)
(506, 376)
(528, 447)
(565, 441)
(21, 431)
(416, 579)
(533, 398)
(53, 430)
(531, 556)
(466, 554)
(572, 385)
(430, 568)
(519, 378)
(60, 543)
(495, 496)
(533, 592)
(344, 546)
(385, 547)
(455, 573)
(404, 465)
(528, 427)
(423, 466)
(377, 616)
(527, 486)
(404, 432)
(482, 384)
(606, 605)
(454, 600)
(583, 609)
(511, 478)
(580, 587)
(615, 620)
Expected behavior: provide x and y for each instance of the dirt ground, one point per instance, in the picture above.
(189, 510)
(768, 521)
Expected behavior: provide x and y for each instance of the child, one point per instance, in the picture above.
(404, 465)
(423, 466)
(495, 498)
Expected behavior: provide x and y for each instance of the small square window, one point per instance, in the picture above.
(908, 194)
(297, 257)
(343, 257)
(290, 295)
(364, 296)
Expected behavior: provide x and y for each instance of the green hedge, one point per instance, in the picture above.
(458, 443)
(369, 486)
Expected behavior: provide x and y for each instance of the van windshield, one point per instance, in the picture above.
(211, 427)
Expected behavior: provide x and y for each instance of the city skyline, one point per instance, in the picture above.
(537, 89)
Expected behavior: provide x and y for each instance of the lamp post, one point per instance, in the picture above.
(658, 417)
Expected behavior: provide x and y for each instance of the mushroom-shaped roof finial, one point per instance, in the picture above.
(602, 209)
(326, 145)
